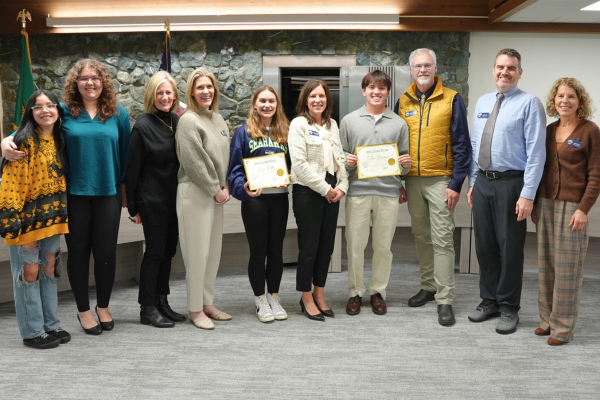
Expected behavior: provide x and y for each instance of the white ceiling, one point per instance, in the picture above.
(557, 11)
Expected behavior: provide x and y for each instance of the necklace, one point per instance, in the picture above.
(164, 123)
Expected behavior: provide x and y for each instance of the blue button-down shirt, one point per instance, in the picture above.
(519, 140)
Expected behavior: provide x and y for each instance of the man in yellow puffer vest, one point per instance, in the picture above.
(441, 155)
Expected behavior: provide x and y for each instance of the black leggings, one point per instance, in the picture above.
(265, 219)
(317, 222)
(93, 229)
(161, 234)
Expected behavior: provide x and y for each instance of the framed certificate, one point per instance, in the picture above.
(266, 171)
(377, 160)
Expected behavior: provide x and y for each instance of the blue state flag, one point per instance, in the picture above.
(165, 65)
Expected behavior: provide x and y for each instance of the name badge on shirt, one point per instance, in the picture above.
(313, 133)
(410, 113)
(224, 133)
(483, 115)
(574, 143)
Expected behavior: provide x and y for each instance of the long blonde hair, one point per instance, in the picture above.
(279, 126)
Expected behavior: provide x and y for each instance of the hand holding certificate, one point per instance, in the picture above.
(377, 160)
(266, 171)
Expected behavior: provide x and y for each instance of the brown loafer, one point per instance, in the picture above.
(353, 306)
(378, 304)
(555, 342)
(541, 332)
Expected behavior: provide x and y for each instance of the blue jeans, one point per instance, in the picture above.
(36, 302)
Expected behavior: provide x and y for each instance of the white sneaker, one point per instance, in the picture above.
(263, 309)
(278, 311)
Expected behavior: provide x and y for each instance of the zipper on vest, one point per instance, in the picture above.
(422, 103)
(429, 113)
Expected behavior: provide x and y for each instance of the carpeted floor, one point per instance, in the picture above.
(405, 354)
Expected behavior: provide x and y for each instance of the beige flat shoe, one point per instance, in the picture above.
(219, 316)
(205, 323)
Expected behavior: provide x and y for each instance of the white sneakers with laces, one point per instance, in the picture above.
(263, 309)
(276, 307)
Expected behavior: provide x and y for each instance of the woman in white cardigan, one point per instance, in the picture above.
(320, 181)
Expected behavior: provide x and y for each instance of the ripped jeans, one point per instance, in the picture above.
(36, 302)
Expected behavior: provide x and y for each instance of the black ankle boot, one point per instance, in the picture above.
(151, 315)
(165, 309)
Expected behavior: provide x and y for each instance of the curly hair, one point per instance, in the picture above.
(107, 102)
(585, 110)
(279, 125)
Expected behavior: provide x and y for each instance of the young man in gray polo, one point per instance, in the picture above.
(372, 200)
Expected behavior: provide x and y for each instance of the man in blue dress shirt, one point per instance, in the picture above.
(505, 172)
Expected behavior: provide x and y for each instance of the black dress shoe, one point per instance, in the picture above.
(60, 333)
(106, 326)
(328, 313)
(151, 315)
(165, 309)
(96, 330)
(446, 315)
(316, 317)
(421, 298)
(44, 341)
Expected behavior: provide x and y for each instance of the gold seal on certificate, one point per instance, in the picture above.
(377, 160)
(266, 171)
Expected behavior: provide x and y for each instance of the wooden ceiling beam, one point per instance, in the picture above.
(507, 9)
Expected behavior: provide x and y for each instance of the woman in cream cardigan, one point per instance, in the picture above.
(320, 181)
(202, 144)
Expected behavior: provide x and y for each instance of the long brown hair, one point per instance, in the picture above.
(279, 126)
(302, 107)
(107, 102)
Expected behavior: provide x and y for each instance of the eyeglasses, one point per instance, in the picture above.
(420, 66)
(49, 107)
(85, 79)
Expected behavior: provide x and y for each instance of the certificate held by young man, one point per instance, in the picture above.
(377, 160)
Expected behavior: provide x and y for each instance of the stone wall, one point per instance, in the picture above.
(234, 57)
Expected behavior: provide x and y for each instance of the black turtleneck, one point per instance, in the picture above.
(152, 165)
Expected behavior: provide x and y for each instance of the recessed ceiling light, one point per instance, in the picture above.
(592, 7)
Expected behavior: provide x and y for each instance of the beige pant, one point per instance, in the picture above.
(433, 228)
(360, 211)
(200, 237)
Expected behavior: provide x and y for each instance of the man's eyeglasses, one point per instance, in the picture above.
(421, 66)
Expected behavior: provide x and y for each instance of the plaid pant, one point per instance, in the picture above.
(561, 252)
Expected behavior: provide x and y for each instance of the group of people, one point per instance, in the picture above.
(71, 166)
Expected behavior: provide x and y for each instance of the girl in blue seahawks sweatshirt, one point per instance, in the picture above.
(264, 211)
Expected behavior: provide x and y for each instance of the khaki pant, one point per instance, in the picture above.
(360, 211)
(433, 229)
(200, 237)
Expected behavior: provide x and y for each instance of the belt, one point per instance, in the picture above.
(504, 174)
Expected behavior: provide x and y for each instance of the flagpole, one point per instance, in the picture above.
(26, 85)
